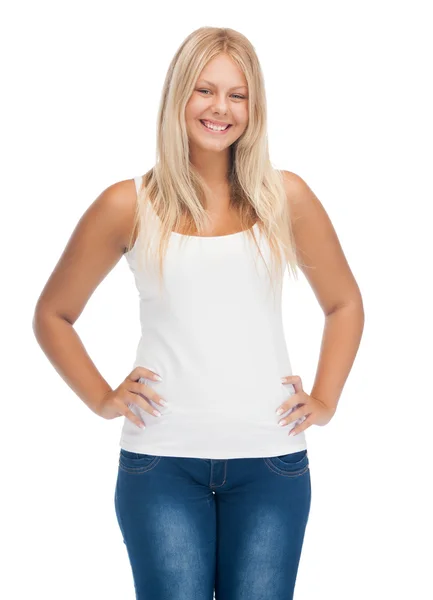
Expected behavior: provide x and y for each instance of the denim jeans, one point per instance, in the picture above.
(196, 527)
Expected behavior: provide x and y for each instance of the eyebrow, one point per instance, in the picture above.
(236, 87)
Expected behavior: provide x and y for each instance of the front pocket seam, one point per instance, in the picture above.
(138, 470)
(278, 471)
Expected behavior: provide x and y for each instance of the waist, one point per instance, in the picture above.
(213, 426)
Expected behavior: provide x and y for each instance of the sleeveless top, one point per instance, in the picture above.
(216, 338)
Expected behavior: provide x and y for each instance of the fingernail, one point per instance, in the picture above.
(283, 379)
(157, 377)
(281, 423)
(163, 402)
(280, 411)
(156, 413)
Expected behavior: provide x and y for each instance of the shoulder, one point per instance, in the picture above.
(115, 207)
(119, 197)
(301, 198)
(297, 189)
(321, 257)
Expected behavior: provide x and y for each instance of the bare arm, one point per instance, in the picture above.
(95, 247)
(327, 271)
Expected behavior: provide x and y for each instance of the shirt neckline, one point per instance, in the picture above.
(214, 237)
(202, 237)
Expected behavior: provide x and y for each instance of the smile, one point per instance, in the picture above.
(213, 128)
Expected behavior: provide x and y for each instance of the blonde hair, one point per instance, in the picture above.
(173, 185)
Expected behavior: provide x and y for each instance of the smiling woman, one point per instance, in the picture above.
(202, 449)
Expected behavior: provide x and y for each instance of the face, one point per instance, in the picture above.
(220, 95)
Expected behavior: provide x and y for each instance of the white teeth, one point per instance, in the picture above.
(214, 127)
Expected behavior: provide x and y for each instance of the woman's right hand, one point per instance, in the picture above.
(115, 402)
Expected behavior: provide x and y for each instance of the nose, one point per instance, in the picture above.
(220, 105)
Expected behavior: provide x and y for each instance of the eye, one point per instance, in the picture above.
(236, 95)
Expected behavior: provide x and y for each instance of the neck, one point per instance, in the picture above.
(212, 166)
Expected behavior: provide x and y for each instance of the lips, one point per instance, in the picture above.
(217, 123)
(216, 131)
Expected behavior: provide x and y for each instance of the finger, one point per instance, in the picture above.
(291, 402)
(294, 415)
(295, 380)
(139, 372)
(301, 427)
(133, 417)
(144, 404)
(146, 390)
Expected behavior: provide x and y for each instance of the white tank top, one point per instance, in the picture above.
(216, 338)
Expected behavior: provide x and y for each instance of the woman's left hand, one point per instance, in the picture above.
(313, 409)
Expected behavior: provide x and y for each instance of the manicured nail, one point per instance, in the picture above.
(283, 379)
(157, 377)
(163, 402)
(156, 413)
(283, 422)
(280, 411)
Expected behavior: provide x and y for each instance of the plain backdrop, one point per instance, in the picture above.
(349, 105)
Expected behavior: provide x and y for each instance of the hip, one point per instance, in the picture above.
(217, 438)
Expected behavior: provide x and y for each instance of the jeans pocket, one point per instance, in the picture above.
(289, 465)
(135, 463)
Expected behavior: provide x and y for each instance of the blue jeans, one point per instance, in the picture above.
(193, 526)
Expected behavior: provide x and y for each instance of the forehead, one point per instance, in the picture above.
(223, 72)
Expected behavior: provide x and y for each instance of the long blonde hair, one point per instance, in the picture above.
(175, 188)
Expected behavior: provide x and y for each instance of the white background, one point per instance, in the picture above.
(349, 104)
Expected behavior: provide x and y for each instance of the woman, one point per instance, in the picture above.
(213, 490)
